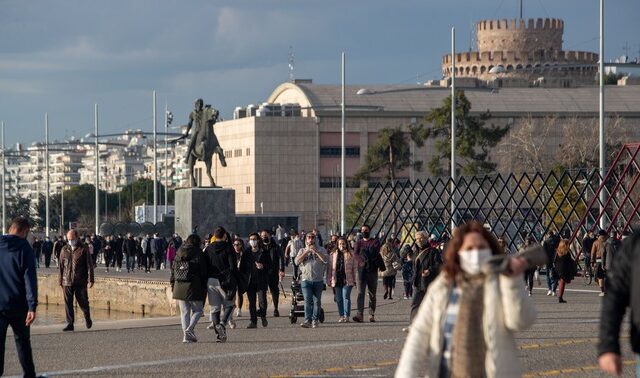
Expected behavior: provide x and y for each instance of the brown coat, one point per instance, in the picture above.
(75, 266)
(597, 250)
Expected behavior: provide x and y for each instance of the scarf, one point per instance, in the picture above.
(469, 349)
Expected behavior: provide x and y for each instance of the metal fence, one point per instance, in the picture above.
(513, 206)
(136, 229)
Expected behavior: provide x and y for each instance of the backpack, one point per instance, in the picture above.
(182, 271)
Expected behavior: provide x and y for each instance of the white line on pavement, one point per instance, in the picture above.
(575, 290)
(98, 369)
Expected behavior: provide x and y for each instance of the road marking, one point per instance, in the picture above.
(99, 369)
(574, 370)
(574, 290)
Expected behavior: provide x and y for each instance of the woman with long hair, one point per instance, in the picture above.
(341, 275)
(565, 267)
(189, 285)
(465, 325)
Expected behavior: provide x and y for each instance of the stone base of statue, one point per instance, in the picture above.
(206, 209)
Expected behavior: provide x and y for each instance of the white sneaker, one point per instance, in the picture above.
(549, 293)
(238, 313)
(601, 295)
(232, 324)
(553, 294)
(529, 293)
(405, 329)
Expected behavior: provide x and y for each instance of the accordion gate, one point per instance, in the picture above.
(513, 205)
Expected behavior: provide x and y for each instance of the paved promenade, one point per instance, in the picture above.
(561, 343)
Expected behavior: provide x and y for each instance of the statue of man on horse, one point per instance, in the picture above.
(203, 144)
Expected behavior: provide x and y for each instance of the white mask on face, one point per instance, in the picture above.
(471, 261)
(253, 243)
(73, 242)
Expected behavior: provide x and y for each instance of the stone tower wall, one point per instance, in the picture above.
(520, 35)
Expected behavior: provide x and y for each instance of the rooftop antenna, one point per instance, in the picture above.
(291, 64)
(521, 9)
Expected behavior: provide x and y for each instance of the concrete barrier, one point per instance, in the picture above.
(138, 296)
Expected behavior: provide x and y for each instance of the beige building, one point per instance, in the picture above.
(285, 163)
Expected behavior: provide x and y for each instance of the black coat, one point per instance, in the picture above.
(565, 267)
(276, 255)
(223, 264)
(129, 247)
(429, 259)
(253, 278)
(196, 288)
(623, 291)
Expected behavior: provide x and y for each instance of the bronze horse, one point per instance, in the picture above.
(204, 143)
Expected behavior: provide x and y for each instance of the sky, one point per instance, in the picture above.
(63, 56)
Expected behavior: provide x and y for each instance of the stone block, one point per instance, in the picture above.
(206, 208)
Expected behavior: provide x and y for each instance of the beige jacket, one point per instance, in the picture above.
(506, 310)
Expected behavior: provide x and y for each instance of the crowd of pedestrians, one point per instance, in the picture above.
(448, 282)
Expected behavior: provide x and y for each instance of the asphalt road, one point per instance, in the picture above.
(561, 343)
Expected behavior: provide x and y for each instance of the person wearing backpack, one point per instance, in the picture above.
(222, 282)
(189, 285)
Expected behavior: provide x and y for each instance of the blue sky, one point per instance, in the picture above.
(63, 56)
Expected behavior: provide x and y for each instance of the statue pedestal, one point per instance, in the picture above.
(206, 208)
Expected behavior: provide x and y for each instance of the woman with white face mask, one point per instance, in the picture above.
(465, 325)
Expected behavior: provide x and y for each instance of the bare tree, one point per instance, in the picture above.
(526, 148)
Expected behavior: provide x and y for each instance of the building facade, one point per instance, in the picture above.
(283, 164)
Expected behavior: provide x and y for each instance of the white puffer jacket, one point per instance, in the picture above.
(506, 310)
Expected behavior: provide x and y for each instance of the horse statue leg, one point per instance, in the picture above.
(209, 164)
(192, 163)
(218, 150)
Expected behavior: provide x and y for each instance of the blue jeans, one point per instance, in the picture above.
(131, 263)
(552, 279)
(312, 292)
(343, 299)
(190, 313)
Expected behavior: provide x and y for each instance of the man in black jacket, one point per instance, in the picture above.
(276, 269)
(129, 249)
(18, 292)
(158, 247)
(222, 281)
(623, 292)
(426, 267)
(367, 254)
(254, 265)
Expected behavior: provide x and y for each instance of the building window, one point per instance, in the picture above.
(335, 151)
(248, 190)
(334, 182)
(228, 154)
(237, 153)
(248, 152)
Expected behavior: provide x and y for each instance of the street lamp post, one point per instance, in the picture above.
(4, 171)
(601, 115)
(46, 165)
(97, 215)
(453, 128)
(343, 175)
(155, 162)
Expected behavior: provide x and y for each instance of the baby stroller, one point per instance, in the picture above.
(297, 303)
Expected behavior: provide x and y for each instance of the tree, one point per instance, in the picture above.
(526, 148)
(18, 207)
(391, 153)
(474, 140)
